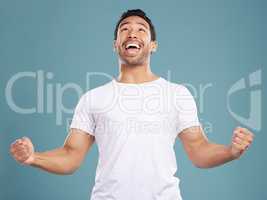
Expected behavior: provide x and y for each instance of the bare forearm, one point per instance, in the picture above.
(211, 155)
(58, 161)
(205, 154)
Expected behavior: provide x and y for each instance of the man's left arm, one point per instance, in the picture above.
(205, 154)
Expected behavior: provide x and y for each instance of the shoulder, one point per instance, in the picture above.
(100, 90)
(99, 98)
(179, 88)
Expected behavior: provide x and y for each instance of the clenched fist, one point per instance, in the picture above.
(22, 151)
(242, 139)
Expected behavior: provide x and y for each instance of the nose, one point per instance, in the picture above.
(132, 34)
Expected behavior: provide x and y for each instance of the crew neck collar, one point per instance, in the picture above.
(114, 80)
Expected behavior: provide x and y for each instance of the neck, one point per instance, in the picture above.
(136, 74)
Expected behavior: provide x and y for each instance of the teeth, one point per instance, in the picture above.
(132, 45)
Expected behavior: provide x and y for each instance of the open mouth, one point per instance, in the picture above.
(132, 46)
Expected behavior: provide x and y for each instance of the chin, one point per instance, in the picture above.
(133, 61)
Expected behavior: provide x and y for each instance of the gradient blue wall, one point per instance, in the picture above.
(202, 43)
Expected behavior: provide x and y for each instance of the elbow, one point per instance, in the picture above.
(200, 162)
(68, 168)
(68, 171)
(71, 170)
(203, 164)
(200, 165)
(72, 162)
(61, 171)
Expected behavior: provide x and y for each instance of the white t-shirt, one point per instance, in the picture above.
(135, 127)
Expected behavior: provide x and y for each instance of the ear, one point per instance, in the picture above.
(114, 45)
(154, 46)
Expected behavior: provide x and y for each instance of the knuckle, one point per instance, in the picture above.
(18, 141)
(237, 128)
(239, 135)
(249, 139)
(244, 129)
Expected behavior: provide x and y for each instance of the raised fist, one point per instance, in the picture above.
(22, 151)
(242, 139)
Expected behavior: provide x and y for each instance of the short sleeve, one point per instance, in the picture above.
(186, 109)
(83, 119)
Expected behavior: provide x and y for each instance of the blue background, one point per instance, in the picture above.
(200, 42)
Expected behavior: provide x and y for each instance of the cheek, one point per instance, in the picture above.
(146, 36)
(117, 45)
(121, 36)
(119, 42)
(147, 46)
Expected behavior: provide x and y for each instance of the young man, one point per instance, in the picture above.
(135, 120)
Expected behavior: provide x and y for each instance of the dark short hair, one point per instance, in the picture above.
(139, 13)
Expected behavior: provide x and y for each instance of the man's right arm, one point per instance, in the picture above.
(63, 160)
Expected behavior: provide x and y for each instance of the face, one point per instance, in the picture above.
(133, 43)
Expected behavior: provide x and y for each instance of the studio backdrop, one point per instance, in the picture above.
(51, 52)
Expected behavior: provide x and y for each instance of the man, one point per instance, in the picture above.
(135, 120)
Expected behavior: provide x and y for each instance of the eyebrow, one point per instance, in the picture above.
(140, 23)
